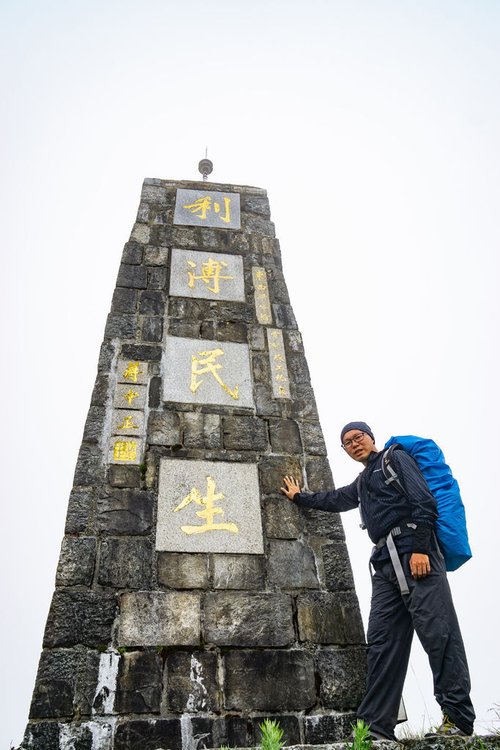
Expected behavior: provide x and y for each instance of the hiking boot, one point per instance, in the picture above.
(447, 728)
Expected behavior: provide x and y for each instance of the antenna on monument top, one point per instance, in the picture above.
(205, 166)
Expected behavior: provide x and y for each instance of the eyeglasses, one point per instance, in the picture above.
(355, 439)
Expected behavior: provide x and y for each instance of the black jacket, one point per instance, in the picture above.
(382, 506)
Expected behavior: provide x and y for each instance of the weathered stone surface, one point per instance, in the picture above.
(124, 300)
(231, 731)
(55, 685)
(253, 223)
(134, 277)
(342, 673)
(285, 436)
(164, 428)
(124, 476)
(244, 433)
(256, 204)
(125, 563)
(80, 508)
(128, 511)
(256, 338)
(282, 519)
(182, 571)
(119, 325)
(212, 430)
(152, 329)
(139, 684)
(94, 424)
(100, 392)
(291, 565)
(132, 253)
(76, 561)
(148, 734)
(312, 438)
(303, 405)
(89, 467)
(143, 352)
(191, 680)
(140, 233)
(152, 303)
(260, 680)
(261, 367)
(265, 404)
(337, 567)
(323, 524)
(153, 194)
(329, 618)
(40, 735)
(242, 619)
(321, 729)
(159, 619)
(192, 428)
(272, 469)
(319, 475)
(156, 256)
(238, 571)
(80, 617)
(154, 399)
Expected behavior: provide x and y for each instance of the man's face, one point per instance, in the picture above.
(358, 445)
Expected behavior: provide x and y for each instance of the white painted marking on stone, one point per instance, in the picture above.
(106, 682)
(186, 733)
(195, 702)
(102, 734)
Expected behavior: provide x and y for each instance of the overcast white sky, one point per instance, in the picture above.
(374, 127)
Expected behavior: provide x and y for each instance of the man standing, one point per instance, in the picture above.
(410, 588)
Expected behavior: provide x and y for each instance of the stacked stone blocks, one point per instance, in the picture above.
(151, 648)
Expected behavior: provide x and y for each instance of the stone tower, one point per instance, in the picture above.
(192, 599)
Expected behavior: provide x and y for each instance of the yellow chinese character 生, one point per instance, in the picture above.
(211, 271)
(132, 371)
(128, 424)
(202, 205)
(129, 397)
(209, 365)
(209, 510)
(125, 450)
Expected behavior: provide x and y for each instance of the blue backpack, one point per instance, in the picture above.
(451, 529)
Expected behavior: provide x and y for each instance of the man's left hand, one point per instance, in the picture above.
(420, 565)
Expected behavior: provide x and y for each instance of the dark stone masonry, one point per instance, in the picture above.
(188, 606)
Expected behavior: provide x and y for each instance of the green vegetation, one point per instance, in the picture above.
(361, 737)
(272, 735)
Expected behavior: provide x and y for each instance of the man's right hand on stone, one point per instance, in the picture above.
(291, 487)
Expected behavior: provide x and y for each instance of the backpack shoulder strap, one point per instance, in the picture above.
(389, 472)
(362, 525)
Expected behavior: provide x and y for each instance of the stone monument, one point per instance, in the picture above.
(192, 599)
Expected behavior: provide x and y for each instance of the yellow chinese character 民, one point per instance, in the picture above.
(202, 205)
(129, 397)
(209, 510)
(209, 365)
(125, 450)
(210, 272)
(128, 424)
(132, 372)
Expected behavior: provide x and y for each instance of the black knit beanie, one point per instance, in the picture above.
(362, 426)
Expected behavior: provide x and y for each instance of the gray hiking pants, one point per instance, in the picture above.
(428, 610)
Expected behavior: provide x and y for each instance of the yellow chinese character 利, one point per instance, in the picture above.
(128, 424)
(209, 510)
(209, 365)
(201, 206)
(132, 371)
(211, 271)
(129, 397)
(125, 450)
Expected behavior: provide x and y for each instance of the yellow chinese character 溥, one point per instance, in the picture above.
(209, 365)
(201, 206)
(211, 271)
(128, 424)
(209, 510)
(125, 450)
(132, 371)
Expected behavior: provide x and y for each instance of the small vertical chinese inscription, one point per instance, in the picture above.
(261, 294)
(279, 369)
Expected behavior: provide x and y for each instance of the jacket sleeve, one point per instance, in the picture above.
(336, 501)
(423, 503)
